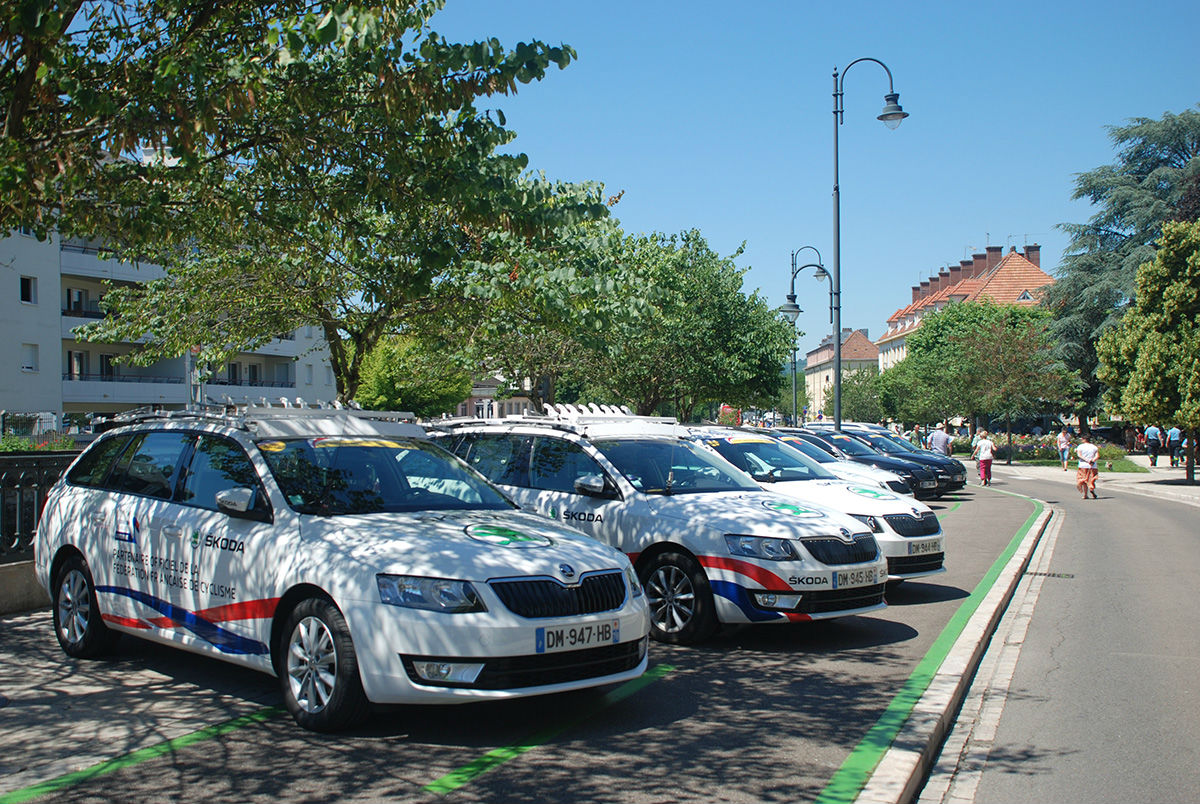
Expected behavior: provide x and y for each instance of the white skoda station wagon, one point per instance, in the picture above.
(339, 550)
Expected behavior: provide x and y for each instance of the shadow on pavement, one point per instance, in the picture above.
(915, 593)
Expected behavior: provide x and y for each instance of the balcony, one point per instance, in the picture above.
(79, 259)
(124, 390)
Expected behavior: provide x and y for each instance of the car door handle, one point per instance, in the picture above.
(172, 531)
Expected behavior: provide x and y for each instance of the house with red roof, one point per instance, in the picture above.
(857, 353)
(1012, 278)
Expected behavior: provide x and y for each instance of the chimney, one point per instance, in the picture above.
(944, 276)
(978, 264)
(935, 283)
(924, 288)
(1033, 253)
(956, 274)
(916, 293)
(994, 255)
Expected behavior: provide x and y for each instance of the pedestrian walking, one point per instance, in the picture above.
(984, 451)
(1063, 442)
(1153, 443)
(941, 441)
(1089, 456)
(1174, 444)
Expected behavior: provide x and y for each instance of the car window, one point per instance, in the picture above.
(811, 450)
(672, 467)
(765, 459)
(332, 476)
(500, 457)
(849, 444)
(92, 469)
(148, 465)
(558, 463)
(219, 464)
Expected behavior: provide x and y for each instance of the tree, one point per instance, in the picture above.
(860, 396)
(1150, 362)
(399, 374)
(1153, 180)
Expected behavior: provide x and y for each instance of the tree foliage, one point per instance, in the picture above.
(399, 374)
(1150, 362)
(1154, 179)
(861, 392)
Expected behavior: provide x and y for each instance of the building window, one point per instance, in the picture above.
(77, 299)
(252, 374)
(77, 365)
(29, 357)
(234, 371)
(108, 367)
(29, 289)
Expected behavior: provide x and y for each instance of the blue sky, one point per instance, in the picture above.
(718, 116)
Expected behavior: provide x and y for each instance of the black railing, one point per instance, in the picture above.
(25, 478)
(68, 377)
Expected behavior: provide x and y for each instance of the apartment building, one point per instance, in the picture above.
(52, 287)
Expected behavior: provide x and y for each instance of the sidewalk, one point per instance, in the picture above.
(1162, 482)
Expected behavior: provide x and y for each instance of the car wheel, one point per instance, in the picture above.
(321, 686)
(77, 622)
(680, 599)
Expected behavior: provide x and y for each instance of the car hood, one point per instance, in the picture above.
(467, 545)
(891, 463)
(752, 514)
(851, 498)
(855, 472)
(926, 459)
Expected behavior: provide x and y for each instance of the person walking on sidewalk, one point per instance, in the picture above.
(1174, 444)
(1089, 457)
(984, 450)
(941, 441)
(1153, 442)
(1063, 442)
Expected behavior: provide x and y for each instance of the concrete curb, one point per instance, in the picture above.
(899, 775)
(19, 589)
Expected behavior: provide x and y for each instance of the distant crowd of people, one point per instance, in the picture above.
(1155, 441)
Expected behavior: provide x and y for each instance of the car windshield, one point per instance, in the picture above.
(849, 444)
(811, 450)
(355, 475)
(768, 460)
(660, 466)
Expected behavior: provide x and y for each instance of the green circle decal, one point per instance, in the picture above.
(506, 537)
(792, 509)
(874, 494)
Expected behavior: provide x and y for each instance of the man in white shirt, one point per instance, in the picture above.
(1089, 456)
(940, 441)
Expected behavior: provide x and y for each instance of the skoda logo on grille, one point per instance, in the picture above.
(846, 537)
(917, 513)
(567, 571)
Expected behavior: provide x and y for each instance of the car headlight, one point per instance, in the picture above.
(761, 547)
(430, 594)
(870, 521)
(635, 588)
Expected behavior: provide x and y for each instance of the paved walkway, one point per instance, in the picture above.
(1163, 481)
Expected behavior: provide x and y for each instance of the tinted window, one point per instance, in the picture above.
(219, 464)
(672, 467)
(816, 453)
(849, 444)
(558, 463)
(501, 458)
(94, 465)
(765, 459)
(148, 466)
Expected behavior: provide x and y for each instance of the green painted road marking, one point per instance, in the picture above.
(950, 510)
(141, 755)
(473, 770)
(852, 776)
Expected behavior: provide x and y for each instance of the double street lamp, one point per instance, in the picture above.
(891, 116)
(791, 311)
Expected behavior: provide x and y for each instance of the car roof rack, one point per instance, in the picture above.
(268, 418)
(577, 418)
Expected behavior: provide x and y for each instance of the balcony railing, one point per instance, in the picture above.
(254, 383)
(85, 313)
(69, 377)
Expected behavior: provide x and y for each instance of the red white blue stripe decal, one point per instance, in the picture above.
(202, 623)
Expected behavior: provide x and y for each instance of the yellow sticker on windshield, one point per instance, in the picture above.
(272, 446)
(356, 442)
(748, 440)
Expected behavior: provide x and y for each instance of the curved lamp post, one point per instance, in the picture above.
(791, 311)
(891, 116)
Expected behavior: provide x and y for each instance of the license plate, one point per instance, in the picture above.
(921, 548)
(858, 577)
(929, 484)
(577, 637)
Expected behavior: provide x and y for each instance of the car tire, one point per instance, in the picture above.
(682, 611)
(77, 622)
(319, 668)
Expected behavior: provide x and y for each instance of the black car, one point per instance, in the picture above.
(952, 475)
(921, 479)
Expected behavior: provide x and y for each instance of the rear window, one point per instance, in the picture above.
(94, 465)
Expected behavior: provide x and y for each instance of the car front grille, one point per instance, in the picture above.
(516, 672)
(840, 599)
(903, 565)
(905, 525)
(834, 551)
(546, 597)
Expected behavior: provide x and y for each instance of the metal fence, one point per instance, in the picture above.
(25, 477)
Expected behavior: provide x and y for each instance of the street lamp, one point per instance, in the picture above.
(891, 116)
(791, 311)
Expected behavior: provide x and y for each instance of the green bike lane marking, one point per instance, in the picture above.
(855, 771)
(473, 770)
(140, 755)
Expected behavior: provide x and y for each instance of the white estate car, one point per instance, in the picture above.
(845, 469)
(907, 530)
(709, 545)
(339, 550)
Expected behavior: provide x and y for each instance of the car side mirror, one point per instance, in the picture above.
(593, 486)
(239, 502)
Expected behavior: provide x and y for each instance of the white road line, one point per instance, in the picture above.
(955, 777)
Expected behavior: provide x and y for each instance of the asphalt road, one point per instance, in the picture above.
(1094, 692)
(759, 715)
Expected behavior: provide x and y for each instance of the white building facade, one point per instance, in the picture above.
(52, 287)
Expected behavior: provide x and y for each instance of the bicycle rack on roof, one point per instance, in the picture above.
(242, 416)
